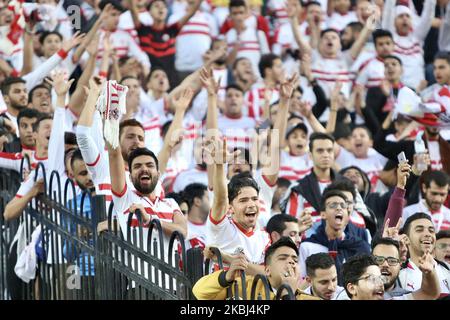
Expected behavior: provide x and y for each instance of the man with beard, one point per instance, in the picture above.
(435, 190)
(363, 280)
(14, 93)
(421, 241)
(141, 195)
(321, 274)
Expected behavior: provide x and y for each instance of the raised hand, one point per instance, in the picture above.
(403, 173)
(208, 81)
(106, 12)
(216, 150)
(287, 87)
(392, 232)
(426, 263)
(305, 222)
(371, 22)
(305, 109)
(73, 42)
(92, 47)
(181, 103)
(59, 83)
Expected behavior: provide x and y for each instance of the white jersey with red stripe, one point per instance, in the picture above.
(13, 161)
(153, 140)
(328, 71)
(266, 192)
(126, 22)
(371, 165)
(238, 132)
(435, 155)
(410, 278)
(278, 8)
(441, 218)
(296, 203)
(228, 235)
(193, 40)
(255, 100)
(293, 167)
(123, 44)
(196, 235)
(339, 21)
(371, 73)
(409, 50)
(160, 209)
(253, 43)
(14, 55)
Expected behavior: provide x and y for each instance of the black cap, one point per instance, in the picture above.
(299, 125)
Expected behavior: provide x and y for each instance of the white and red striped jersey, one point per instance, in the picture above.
(293, 167)
(196, 235)
(371, 73)
(238, 132)
(328, 71)
(441, 218)
(371, 165)
(339, 21)
(13, 161)
(123, 44)
(153, 140)
(185, 178)
(161, 209)
(253, 43)
(266, 192)
(278, 9)
(296, 203)
(409, 50)
(410, 278)
(193, 40)
(126, 23)
(228, 235)
(255, 101)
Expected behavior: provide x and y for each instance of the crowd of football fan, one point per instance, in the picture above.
(265, 129)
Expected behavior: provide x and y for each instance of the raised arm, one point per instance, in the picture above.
(134, 13)
(293, 11)
(56, 142)
(424, 24)
(286, 89)
(28, 49)
(430, 288)
(212, 114)
(181, 104)
(334, 102)
(219, 155)
(361, 41)
(190, 13)
(388, 21)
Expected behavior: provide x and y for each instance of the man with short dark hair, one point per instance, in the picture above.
(14, 93)
(434, 190)
(283, 225)
(197, 198)
(25, 142)
(333, 236)
(321, 274)
(421, 235)
(307, 193)
(363, 280)
(442, 251)
(281, 268)
(40, 98)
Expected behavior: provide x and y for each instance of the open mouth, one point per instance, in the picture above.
(447, 257)
(145, 178)
(379, 294)
(386, 274)
(426, 242)
(251, 214)
(339, 217)
(299, 146)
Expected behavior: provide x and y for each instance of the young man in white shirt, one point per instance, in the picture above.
(232, 223)
(421, 235)
(321, 275)
(341, 15)
(197, 198)
(363, 280)
(409, 37)
(435, 190)
(441, 72)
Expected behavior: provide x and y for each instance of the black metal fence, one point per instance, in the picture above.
(75, 262)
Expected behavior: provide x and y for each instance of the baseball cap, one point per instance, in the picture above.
(300, 126)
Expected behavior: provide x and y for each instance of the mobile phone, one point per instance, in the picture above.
(401, 157)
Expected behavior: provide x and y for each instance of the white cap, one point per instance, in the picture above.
(401, 10)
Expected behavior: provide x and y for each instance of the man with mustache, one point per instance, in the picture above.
(435, 190)
(421, 239)
(363, 280)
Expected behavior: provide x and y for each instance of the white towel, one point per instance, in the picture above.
(26, 264)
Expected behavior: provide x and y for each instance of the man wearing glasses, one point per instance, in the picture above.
(386, 252)
(363, 279)
(442, 251)
(333, 236)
